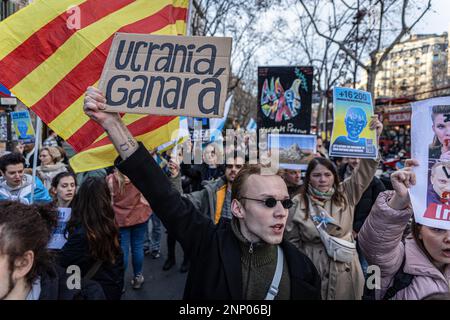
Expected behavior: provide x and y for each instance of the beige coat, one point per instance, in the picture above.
(340, 281)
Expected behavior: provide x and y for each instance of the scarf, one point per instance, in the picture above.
(52, 167)
(318, 197)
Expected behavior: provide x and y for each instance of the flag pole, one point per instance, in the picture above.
(37, 144)
(189, 19)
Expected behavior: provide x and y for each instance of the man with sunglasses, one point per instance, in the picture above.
(214, 200)
(242, 259)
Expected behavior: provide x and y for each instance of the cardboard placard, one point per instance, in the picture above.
(167, 75)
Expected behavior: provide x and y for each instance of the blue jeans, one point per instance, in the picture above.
(153, 242)
(362, 261)
(133, 236)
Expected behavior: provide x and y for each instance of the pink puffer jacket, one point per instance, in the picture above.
(380, 240)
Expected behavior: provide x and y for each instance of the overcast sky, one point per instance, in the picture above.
(437, 20)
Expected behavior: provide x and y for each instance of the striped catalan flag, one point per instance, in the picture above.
(52, 50)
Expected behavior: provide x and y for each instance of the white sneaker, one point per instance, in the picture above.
(137, 281)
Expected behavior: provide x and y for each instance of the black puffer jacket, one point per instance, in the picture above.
(368, 198)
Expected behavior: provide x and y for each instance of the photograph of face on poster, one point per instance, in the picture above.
(352, 113)
(430, 132)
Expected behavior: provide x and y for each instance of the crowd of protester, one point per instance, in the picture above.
(291, 234)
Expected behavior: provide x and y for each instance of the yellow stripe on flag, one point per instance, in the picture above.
(74, 115)
(23, 24)
(104, 156)
(73, 51)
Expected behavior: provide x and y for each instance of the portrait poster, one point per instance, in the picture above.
(352, 112)
(58, 240)
(294, 151)
(430, 128)
(284, 99)
(22, 126)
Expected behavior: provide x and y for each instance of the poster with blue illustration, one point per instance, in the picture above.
(22, 125)
(58, 240)
(352, 113)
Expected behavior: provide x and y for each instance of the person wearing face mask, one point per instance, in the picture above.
(321, 224)
(421, 261)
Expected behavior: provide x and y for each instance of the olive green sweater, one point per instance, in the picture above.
(258, 264)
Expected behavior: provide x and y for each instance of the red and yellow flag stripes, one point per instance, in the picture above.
(52, 50)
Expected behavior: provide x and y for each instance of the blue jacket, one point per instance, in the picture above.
(22, 193)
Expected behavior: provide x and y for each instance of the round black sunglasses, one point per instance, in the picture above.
(272, 202)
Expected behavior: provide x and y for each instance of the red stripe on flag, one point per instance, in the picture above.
(43, 43)
(137, 128)
(88, 71)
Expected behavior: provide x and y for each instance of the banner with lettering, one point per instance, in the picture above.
(430, 196)
(167, 75)
(284, 99)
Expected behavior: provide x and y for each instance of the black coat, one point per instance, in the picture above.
(54, 287)
(367, 200)
(76, 252)
(215, 271)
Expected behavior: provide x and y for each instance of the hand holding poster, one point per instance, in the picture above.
(22, 126)
(430, 133)
(167, 75)
(352, 114)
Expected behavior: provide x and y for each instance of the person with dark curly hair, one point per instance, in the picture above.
(27, 271)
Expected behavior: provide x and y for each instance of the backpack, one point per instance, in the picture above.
(401, 281)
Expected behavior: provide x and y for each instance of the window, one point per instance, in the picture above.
(417, 60)
(425, 49)
(435, 57)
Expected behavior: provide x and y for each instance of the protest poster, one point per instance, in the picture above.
(199, 129)
(22, 126)
(167, 75)
(352, 112)
(58, 239)
(430, 196)
(294, 151)
(284, 99)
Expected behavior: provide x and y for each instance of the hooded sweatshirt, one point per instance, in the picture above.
(22, 192)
